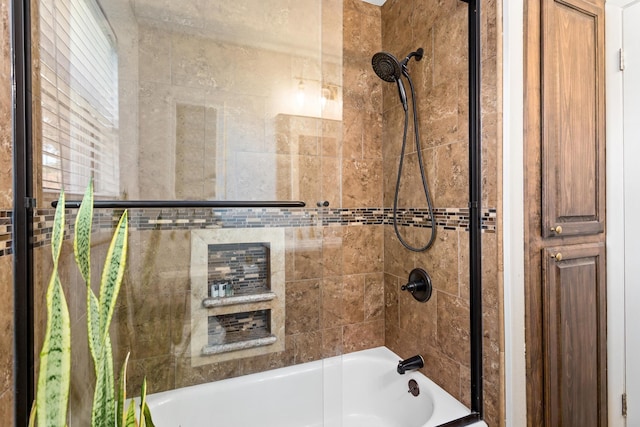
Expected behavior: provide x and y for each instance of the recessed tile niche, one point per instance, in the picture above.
(237, 293)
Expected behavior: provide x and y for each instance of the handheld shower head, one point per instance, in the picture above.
(387, 67)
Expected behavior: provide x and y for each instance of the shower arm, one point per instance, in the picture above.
(132, 204)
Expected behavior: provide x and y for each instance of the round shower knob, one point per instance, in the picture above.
(419, 285)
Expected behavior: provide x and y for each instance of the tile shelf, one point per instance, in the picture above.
(212, 349)
(237, 299)
(264, 248)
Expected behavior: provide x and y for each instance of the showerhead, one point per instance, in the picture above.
(386, 66)
(389, 69)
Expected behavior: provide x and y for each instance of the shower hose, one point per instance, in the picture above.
(425, 186)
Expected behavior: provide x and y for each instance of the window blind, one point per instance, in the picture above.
(79, 97)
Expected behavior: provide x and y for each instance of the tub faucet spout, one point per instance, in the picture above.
(410, 364)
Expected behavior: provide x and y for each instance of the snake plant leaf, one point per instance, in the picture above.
(52, 394)
(82, 253)
(103, 410)
(57, 234)
(112, 275)
(122, 394)
(145, 413)
(82, 235)
(32, 415)
(93, 327)
(131, 416)
(147, 416)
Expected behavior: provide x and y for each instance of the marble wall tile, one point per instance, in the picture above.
(443, 370)
(308, 347)
(441, 261)
(362, 249)
(374, 296)
(361, 28)
(353, 299)
(265, 362)
(490, 155)
(359, 180)
(6, 330)
(450, 41)
(7, 406)
(150, 271)
(164, 374)
(308, 253)
(420, 319)
(362, 87)
(332, 342)
(143, 328)
(153, 61)
(352, 139)
(451, 180)
(332, 252)
(397, 23)
(391, 305)
(186, 375)
(453, 336)
(83, 375)
(441, 115)
(6, 141)
(364, 335)
(302, 307)
(397, 260)
(332, 303)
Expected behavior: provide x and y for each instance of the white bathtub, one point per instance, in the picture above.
(359, 389)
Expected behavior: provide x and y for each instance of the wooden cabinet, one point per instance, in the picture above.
(573, 139)
(574, 301)
(565, 221)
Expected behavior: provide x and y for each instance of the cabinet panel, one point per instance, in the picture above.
(574, 319)
(573, 118)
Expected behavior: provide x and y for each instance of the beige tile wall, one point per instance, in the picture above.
(6, 203)
(439, 329)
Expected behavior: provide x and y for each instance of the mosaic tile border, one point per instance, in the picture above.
(6, 232)
(203, 218)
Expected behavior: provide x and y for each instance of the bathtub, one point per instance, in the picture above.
(359, 389)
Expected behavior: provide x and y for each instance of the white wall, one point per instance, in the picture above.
(615, 214)
(513, 208)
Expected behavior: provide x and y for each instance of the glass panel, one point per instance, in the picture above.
(260, 100)
(195, 100)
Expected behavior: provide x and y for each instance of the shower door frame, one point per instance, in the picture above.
(24, 204)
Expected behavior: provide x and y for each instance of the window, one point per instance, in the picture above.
(79, 97)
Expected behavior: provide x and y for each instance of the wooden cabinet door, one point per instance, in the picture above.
(574, 330)
(573, 142)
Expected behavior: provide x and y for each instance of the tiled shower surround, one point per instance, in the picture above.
(344, 265)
